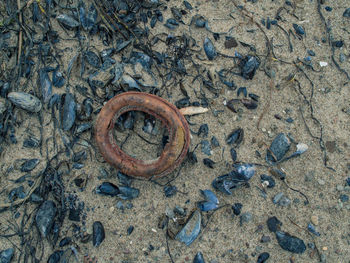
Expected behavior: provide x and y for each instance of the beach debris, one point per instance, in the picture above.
(248, 66)
(124, 192)
(267, 180)
(45, 216)
(237, 208)
(25, 101)
(299, 29)
(312, 229)
(245, 218)
(235, 137)
(211, 201)
(55, 257)
(191, 229)
(6, 255)
(263, 257)
(199, 258)
(67, 21)
(192, 110)
(290, 243)
(45, 84)
(209, 49)
(273, 224)
(170, 190)
(347, 13)
(280, 146)
(236, 178)
(107, 188)
(98, 233)
(29, 165)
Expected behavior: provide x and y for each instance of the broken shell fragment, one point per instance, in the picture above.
(191, 110)
(191, 230)
(25, 101)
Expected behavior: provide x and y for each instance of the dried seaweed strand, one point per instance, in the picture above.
(317, 121)
(328, 30)
(20, 201)
(267, 106)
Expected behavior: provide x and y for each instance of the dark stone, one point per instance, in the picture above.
(344, 198)
(265, 239)
(130, 230)
(74, 214)
(230, 42)
(263, 257)
(290, 243)
(348, 181)
(279, 147)
(237, 207)
(347, 13)
(199, 258)
(273, 224)
(331, 146)
(170, 190)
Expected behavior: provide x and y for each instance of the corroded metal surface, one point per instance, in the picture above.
(174, 151)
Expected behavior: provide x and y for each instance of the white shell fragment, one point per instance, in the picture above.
(301, 148)
(191, 110)
(323, 63)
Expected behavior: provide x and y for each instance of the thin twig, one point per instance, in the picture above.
(20, 34)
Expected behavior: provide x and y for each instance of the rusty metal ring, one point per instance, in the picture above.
(173, 153)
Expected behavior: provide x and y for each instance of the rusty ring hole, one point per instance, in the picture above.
(140, 134)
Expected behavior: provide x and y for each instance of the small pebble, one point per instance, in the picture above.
(245, 218)
(311, 52)
(321, 182)
(265, 239)
(338, 43)
(284, 201)
(314, 220)
(296, 201)
(237, 207)
(344, 198)
(263, 257)
(347, 13)
(342, 57)
(273, 224)
(179, 210)
(340, 188)
(339, 206)
(348, 181)
(277, 198)
(205, 147)
(289, 120)
(120, 205)
(311, 245)
(130, 230)
(328, 9)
